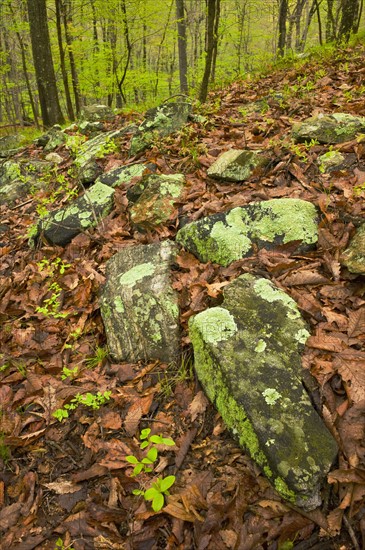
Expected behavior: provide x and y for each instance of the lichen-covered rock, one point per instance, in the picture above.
(247, 355)
(122, 174)
(354, 256)
(89, 172)
(332, 160)
(97, 147)
(156, 203)
(54, 157)
(138, 305)
(62, 225)
(86, 128)
(96, 113)
(225, 237)
(237, 165)
(56, 138)
(10, 145)
(335, 128)
(18, 178)
(162, 120)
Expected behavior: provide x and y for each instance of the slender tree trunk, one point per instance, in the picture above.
(215, 40)
(66, 16)
(349, 17)
(70, 110)
(212, 14)
(160, 49)
(43, 63)
(181, 44)
(283, 14)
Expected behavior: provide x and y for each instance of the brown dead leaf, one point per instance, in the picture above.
(135, 413)
(305, 277)
(325, 342)
(111, 421)
(356, 323)
(351, 366)
(62, 487)
(214, 289)
(198, 405)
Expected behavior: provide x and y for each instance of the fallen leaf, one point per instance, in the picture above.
(62, 487)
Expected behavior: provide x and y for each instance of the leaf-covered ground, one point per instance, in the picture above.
(66, 484)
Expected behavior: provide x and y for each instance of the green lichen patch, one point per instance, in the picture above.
(62, 225)
(335, 128)
(224, 238)
(138, 305)
(97, 147)
(248, 358)
(354, 256)
(331, 160)
(121, 175)
(156, 202)
(237, 165)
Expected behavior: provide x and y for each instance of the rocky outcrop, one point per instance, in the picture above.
(237, 165)
(335, 128)
(247, 355)
(224, 238)
(138, 305)
(17, 178)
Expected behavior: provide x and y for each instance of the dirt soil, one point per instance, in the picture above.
(67, 484)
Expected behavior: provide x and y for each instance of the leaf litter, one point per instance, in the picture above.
(70, 479)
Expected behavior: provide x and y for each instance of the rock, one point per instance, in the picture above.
(89, 172)
(162, 120)
(335, 128)
(56, 138)
(236, 165)
(10, 145)
(247, 355)
(332, 160)
(138, 305)
(156, 203)
(122, 174)
(87, 128)
(18, 178)
(354, 256)
(96, 113)
(62, 225)
(225, 237)
(54, 157)
(97, 147)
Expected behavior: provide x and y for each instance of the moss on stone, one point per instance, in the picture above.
(135, 274)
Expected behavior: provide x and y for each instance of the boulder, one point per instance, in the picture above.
(56, 137)
(247, 355)
(89, 172)
(138, 305)
(354, 256)
(162, 121)
(96, 113)
(86, 128)
(225, 237)
(156, 202)
(237, 165)
(97, 147)
(332, 160)
(335, 128)
(10, 145)
(122, 174)
(62, 225)
(19, 178)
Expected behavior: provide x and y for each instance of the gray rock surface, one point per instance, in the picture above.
(17, 178)
(237, 165)
(96, 148)
(62, 225)
(96, 113)
(138, 305)
(122, 174)
(225, 237)
(354, 256)
(247, 355)
(334, 128)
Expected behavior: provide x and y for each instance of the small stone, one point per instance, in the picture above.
(237, 165)
(54, 157)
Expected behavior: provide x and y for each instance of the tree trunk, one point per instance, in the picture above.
(181, 44)
(349, 18)
(70, 110)
(43, 63)
(66, 16)
(212, 14)
(283, 13)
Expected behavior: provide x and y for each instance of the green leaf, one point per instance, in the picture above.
(168, 441)
(156, 439)
(152, 454)
(158, 502)
(132, 459)
(138, 469)
(144, 444)
(137, 492)
(166, 483)
(145, 433)
(151, 493)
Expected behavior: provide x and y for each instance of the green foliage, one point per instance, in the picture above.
(100, 355)
(159, 488)
(53, 266)
(176, 374)
(69, 373)
(52, 304)
(60, 545)
(93, 401)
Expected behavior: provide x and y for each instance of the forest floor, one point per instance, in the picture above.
(66, 484)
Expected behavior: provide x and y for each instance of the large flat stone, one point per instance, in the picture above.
(334, 128)
(247, 356)
(225, 237)
(138, 305)
(237, 165)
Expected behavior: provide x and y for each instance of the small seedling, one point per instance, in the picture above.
(94, 401)
(157, 492)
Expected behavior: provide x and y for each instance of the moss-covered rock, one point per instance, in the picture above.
(335, 128)
(156, 202)
(121, 175)
(332, 160)
(226, 237)
(10, 145)
(354, 256)
(247, 355)
(237, 165)
(96, 113)
(161, 121)
(97, 147)
(62, 225)
(138, 305)
(17, 178)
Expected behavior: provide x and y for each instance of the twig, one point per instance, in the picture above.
(351, 532)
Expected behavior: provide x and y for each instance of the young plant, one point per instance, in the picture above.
(94, 401)
(51, 306)
(156, 493)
